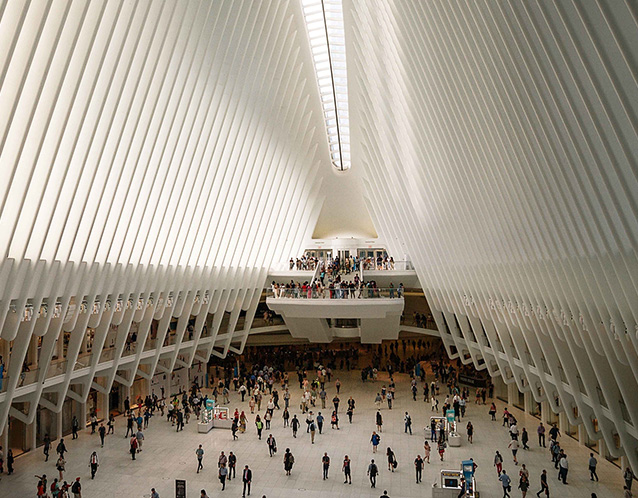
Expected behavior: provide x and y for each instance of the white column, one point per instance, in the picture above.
(58, 426)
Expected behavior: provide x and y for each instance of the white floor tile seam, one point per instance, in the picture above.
(173, 455)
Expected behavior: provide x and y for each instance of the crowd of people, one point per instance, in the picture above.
(337, 265)
(301, 384)
(336, 289)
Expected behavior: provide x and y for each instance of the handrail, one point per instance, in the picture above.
(337, 293)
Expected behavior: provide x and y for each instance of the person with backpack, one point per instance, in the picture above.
(441, 448)
(407, 420)
(373, 470)
(375, 440)
(289, 461)
(76, 489)
(133, 447)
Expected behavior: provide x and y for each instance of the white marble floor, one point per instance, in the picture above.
(169, 455)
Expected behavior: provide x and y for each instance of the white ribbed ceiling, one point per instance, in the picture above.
(498, 145)
(152, 149)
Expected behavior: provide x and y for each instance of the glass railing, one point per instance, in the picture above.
(373, 265)
(327, 293)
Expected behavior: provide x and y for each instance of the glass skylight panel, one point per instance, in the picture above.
(324, 21)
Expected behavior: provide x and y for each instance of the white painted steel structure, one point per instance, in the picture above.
(499, 146)
(156, 157)
(156, 154)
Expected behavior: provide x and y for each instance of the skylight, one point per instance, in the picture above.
(324, 20)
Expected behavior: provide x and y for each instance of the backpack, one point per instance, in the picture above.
(76, 487)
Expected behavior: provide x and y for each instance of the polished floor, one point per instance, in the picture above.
(168, 455)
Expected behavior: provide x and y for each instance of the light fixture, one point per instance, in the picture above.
(57, 310)
(27, 313)
(140, 304)
(118, 305)
(96, 307)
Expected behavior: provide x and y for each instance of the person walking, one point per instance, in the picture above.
(94, 464)
(525, 439)
(506, 482)
(294, 424)
(260, 426)
(320, 422)
(470, 431)
(373, 470)
(102, 432)
(133, 447)
(427, 450)
(60, 466)
(523, 485)
(47, 447)
(514, 445)
(541, 435)
(407, 422)
(246, 478)
(592, 467)
(325, 460)
(61, 448)
(10, 461)
(563, 468)
(75, 426)
(544, 485)
(232, 463)
(418, 467)
(441, 448)
(154, 494)
(140, 439)
(222, 460)
(335, 402)
(498, 463)
(199, 452)
(628, 477)
(379, 421)
(391, 459)
(223, 473)
(272, 445)
(346, 470)
(76, 489)
(375, 440)
(289, 461)
(313, 429)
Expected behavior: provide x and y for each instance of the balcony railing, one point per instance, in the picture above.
(370, 264)
(326, 293)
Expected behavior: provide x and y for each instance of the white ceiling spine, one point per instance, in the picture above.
(152, 151)
(498, 142)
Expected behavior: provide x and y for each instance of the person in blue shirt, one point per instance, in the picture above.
(506, 482)
(320, 422)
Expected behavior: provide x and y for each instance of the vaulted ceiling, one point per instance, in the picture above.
(153, 149)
